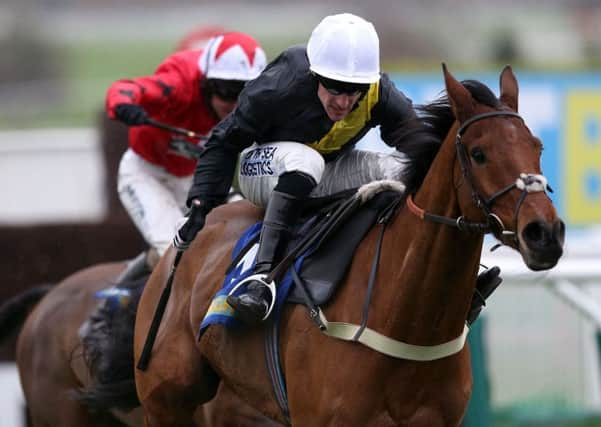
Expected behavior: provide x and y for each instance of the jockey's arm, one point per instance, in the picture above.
(166, 89)
(245, 125)
(256, 113)
(394, 109)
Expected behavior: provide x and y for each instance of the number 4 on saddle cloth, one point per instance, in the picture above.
(324, 250)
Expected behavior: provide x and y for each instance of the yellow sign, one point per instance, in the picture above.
(582, 154)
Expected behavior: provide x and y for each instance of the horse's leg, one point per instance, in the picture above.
(56, 408)
(174, 405)
(176, 380)
(46, 377)
(237, 412)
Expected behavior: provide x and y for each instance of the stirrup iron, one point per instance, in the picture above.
(269, 285)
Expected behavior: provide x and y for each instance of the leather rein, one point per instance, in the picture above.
(526, 182)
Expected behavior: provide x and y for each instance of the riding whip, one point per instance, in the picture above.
(160, 308)
(180, 146)
(181, 131)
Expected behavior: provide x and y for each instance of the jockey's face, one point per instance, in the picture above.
(222, 107)
(224, 95)
(337, 106)
(337, 97)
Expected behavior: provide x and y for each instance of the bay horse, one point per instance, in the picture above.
(473, 167)
(54, 371)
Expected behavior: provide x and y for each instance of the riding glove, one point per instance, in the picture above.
(131, 114)
(194, 223)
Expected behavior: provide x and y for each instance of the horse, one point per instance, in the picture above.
(473, 167)
(56, 375)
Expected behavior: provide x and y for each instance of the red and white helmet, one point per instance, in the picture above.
(232, 56)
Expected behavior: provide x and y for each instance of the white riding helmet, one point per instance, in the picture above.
(232, 56)
(345, 47)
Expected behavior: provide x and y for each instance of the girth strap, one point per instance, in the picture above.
(274, 368)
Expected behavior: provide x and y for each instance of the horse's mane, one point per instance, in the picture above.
(420, 139)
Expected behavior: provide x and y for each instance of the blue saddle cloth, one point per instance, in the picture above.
(324, 263)
(219, 311)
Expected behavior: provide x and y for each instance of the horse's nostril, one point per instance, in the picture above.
(536, 232)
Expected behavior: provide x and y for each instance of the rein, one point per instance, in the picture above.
(526, 182)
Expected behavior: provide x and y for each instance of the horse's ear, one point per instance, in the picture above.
(461, 100)
(509, 88)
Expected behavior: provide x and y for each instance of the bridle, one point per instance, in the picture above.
(526, 182)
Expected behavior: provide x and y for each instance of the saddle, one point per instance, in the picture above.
(326, 266)
(318, 255)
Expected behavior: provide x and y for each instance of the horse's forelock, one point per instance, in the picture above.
(481, 93)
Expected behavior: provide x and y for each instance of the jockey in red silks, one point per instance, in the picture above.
(191, 89)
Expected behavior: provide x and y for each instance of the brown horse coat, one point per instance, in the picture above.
(425, 283)
(51, 366)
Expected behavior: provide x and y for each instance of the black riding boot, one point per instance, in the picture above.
(486, 283)
(280, 216)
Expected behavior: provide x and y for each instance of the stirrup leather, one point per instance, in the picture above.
(269, 285)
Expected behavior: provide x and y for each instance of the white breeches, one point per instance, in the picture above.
(154, 199)
(262, 165)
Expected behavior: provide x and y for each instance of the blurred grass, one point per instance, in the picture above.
(86, 71)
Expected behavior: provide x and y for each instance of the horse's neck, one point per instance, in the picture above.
(438, 264)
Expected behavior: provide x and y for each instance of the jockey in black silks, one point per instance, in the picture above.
(294, 130)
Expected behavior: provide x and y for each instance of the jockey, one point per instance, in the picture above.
(294, 128)
(191, 89)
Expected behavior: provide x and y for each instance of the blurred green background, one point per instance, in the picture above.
(81, 74)
(59, 56)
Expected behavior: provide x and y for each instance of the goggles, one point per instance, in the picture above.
(337, 88)
(227, 90)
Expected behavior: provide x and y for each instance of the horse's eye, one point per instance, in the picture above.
(478, 155)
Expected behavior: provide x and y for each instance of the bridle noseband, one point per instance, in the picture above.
(526, 182)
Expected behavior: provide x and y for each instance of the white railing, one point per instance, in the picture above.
(51, 176)
(541, 329)
(12, 404)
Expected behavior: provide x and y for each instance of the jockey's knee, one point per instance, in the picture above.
(304, 160)
(296, 183)
(283, 165)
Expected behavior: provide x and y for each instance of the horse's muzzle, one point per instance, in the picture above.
(541, 244)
